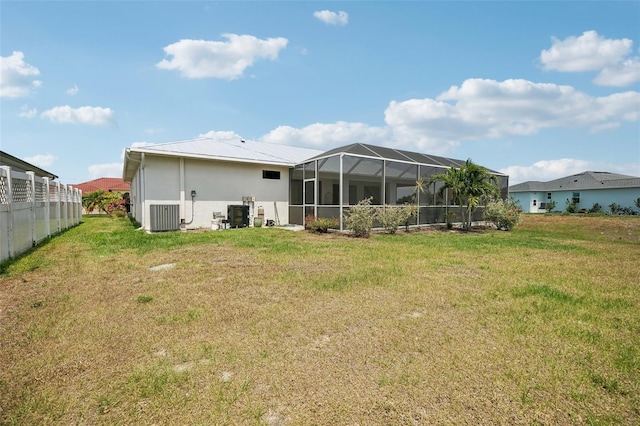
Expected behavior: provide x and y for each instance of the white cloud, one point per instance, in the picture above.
(220, 59)
(592, 52)
(481, 109)
(17, 76)
(222, 135)
(478, 109)
(26, 112)
(603, 127)
(322, 135)
(41, 160)
(547, 170)
(332, 18)
(93, 116)
(619, 75)
(105, 170)
(589, 52)
(141, 144)
(73, 91)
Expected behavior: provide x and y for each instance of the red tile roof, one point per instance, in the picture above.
(107, 184)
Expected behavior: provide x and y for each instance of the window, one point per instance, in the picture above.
(576, 197)
(535, 203)
(548, 195)
(270, 174)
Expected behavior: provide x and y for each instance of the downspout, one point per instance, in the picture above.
(140, 181)
(143, 201)
(183, 189)
(183, 213)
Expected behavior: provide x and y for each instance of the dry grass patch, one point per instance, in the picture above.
(264, 326)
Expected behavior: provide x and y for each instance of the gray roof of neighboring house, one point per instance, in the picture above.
(231, 149)
(581, 181)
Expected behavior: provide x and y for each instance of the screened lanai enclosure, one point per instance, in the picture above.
(327, 185)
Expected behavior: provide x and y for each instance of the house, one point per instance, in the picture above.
(193, 183)
(583, 189)
(19, 165)
(107, 184)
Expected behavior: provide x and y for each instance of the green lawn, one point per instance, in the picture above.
(540, 325)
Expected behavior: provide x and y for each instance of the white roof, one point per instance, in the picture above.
(232, 149)
(221, 149)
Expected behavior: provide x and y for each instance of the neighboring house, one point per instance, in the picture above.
(193, 183)
(584, 189)
(107, 184)
(19, 165)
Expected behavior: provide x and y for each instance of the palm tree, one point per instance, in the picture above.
(92, 200)
(470, 185)
(480, 186)
(453, 180)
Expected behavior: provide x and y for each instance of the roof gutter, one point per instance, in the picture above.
(128, 157)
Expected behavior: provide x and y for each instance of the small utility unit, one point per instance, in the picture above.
(238, 216)
(164, 217)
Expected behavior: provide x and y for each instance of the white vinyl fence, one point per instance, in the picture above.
(32, 209)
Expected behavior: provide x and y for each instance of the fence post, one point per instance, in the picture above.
(58, 225)
(75, 207)
(31, 197)
(70, 207)
(79, 204)
(47, 208)
(64, 212)
(9, 194)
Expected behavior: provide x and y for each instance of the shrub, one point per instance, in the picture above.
(117, 208)
(614, 208)
(359, 218)
(108, 202)
(390, 217)
(450, 217)
(596, 208)
(571, 206)
(619, 210)
(409, 211)
(550, 206)
(504, 214)
(321, 224)
(308, 221)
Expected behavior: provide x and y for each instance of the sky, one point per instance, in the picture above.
(538, 90)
